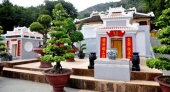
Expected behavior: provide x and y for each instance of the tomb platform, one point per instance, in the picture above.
(118, 69)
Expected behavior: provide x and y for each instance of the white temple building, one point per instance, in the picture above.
(118, 28)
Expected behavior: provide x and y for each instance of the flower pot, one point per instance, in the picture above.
(165, 87)
(38, 50)
(112, 53)
(72, 51)
(44, 64)
(58, 81)
(1, 66)
(70, 60)
(81, 55)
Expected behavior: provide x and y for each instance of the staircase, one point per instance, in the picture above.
(155, 42)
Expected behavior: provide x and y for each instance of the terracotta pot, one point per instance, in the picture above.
(45, 64)
(58, 81)
(39, 50)
(164, 86)
(72, 51)
(1, 66)
(70, 60)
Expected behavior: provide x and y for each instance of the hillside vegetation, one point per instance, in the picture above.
(105, 6)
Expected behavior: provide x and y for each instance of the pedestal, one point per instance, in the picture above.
(118, 70)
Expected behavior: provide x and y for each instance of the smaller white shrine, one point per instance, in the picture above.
(21, 41)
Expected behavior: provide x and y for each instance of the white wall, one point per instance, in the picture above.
(140, 43)
(89, 31)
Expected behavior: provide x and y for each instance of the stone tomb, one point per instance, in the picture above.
(118, 70)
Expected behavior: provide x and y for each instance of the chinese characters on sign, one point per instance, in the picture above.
(19, 49)
(113, 33)
(129, 47)
(103, 45)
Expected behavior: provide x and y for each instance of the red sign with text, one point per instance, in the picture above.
(7, 45)
(103, 45)
(129, 47)
(113, 33)
(19, 47)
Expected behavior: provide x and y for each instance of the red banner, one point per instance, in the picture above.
(103, 45)
(19, 47)
(129, 47)
(7, 45)
(113, 33)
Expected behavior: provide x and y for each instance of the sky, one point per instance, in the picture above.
(78, 4)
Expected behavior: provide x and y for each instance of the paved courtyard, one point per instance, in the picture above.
(16, 85)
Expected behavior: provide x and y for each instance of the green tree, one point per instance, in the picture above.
(55, 52)
(86, 15)
(164, 19)
(2, 45)
(6, 13)
(75, 35)
(42, 26)
(157, 6)
(69, 8)
(163, 35)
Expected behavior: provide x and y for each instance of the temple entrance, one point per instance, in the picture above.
(117, 43)
(14, 50)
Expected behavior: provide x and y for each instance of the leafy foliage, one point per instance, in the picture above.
(54, 50)
(159, 63)
(164, 19)
(2, 45)
(156, 6)
(75, 36)
(69, 8)
(164, 38)
(82, 48)
(42, 26)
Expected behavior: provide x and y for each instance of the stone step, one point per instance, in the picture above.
(87, 83)
(10, 64)
(135, 75)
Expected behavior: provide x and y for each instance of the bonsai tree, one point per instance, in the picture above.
(56, 52)
(75, 35)
(81, 55)
(42, 26)
(2, 46)
(162, 63)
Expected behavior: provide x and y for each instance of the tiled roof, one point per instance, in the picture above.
(137, 16)
(91, 19)
(97, 17)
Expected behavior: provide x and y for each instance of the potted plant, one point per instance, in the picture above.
(2, 49)
(42, 26)
(81, 55)
(57, 52)
(162, 63)
(74, 34)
